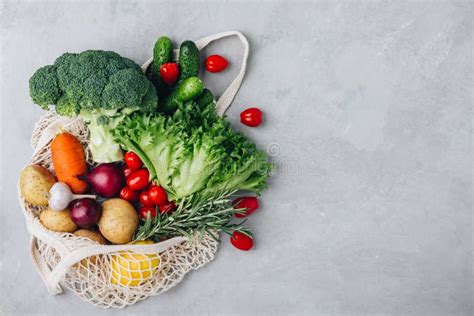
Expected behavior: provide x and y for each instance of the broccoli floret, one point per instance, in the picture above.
(100, 86)
(67, 108)
(44, 86)
(125, 88)
(149, 99)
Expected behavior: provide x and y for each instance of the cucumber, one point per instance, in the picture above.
(188, 60)
(204, 98)
(189, 89)
(185, 91)
(162, 52)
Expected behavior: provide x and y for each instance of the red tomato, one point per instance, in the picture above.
(241, 241)
(251, 117)
(250, 203)
(169, 207)
(169, 73)
(138, 179)
(144, 210)
(145, 199)
(132, 160)
(128, 194)
(216, 63)
(127, 172)
(158, 195)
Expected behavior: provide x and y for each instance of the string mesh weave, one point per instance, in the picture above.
(106, 279)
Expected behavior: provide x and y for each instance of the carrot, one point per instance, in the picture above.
(69, 161)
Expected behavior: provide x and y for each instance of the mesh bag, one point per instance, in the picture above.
(113, 275)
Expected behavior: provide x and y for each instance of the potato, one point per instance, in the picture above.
(95, 236)
(119, 221)
(91, 234)
(35, 182)
(57, 221)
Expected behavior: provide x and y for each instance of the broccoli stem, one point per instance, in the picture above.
(102, 146)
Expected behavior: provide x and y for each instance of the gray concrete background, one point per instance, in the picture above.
(368, 119)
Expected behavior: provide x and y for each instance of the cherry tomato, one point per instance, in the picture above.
(216, 63)
(251, 117)
(241, 241)
(169, 73)
(132, 160)
(169, 207)
(127, 171)
(138, 179)
(128, 194)
(145, 199)
(158, 195)
(250, 203)
(144, 210)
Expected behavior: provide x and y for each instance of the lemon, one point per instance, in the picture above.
(131, 269)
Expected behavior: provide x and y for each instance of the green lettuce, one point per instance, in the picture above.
(194, 151)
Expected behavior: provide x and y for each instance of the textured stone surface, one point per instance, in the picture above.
(368, 119)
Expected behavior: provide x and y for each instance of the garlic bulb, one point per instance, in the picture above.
(60, 196)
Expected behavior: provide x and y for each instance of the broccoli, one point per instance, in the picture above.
(101, 87)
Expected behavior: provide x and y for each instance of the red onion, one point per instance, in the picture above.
(106, 179)
(85, 212)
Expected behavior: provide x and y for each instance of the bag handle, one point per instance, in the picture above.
(43, 269)
(229, 94)
(51, 278)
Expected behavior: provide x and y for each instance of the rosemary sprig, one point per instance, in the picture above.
(194, 214)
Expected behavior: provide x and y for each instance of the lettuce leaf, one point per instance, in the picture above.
(194, 151)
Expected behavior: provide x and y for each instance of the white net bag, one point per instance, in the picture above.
(113, 275)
